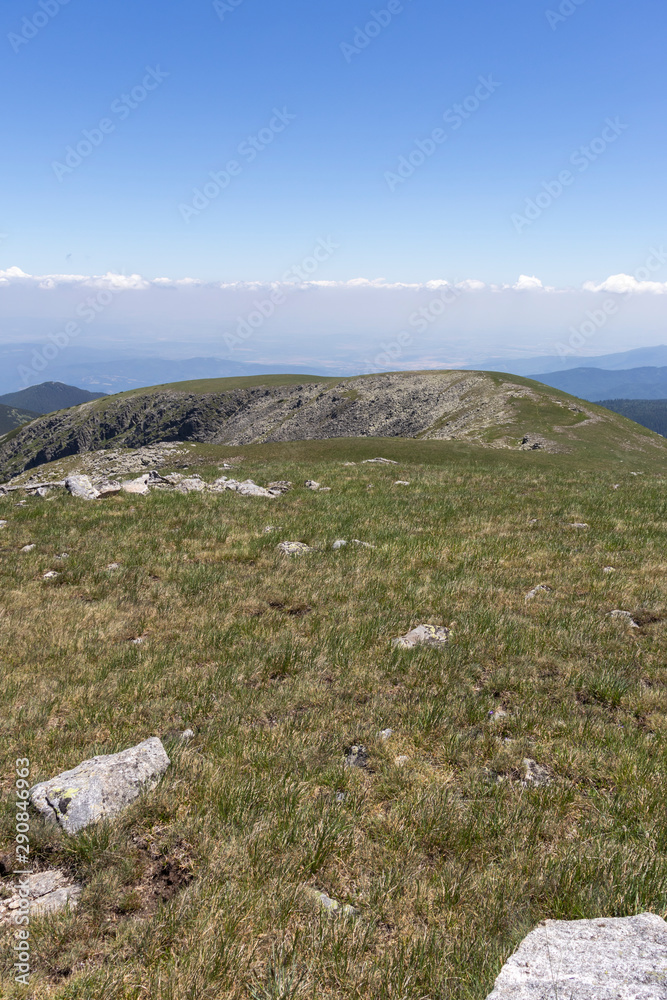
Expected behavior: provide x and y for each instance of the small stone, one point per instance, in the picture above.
(533, 520)
(578, 524)
(356, 756)
(137, 642)
(379, 461)
(325, 489)
(386, 733)
(331, 905)
(424, 635)
(269, 528)
(3, 524)
(495, 714)
(100, 787)
(400, 761)
(401, 482)
(339, 544)
(608, 958)
(280, 486)
(186, 735)
(28, 548)
(616, 486)
(294, 548)
(535, 775)
(81, 487)
(341, 796)
(608, 569)
(626, 615)
(541, 588)
(365, 545)
(50, 575)
(63, 555)
(310, 484)
(349, 463)
(47, 892)
(113, 566)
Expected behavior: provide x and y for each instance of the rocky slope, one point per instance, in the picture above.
(477, 407)
(13, 416)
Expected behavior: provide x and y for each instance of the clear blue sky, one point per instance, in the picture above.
(324, 174)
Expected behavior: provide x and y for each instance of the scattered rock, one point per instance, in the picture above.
(81, 487)
(108, 488)
(339, 543)
(578, 524)
(113, 566)
(47, 892)
(294, 548)
(3, 524)
(280, 486)
(496, 714)
(138, 486)
(616, 486)
(341, 796)
(356, 756)
(424, 635)
(186, 735)
(401, 482)
(534, 774)
(379, 461)
(611, 958)
(50, 575)
(193, 484)
(541, 588)
(608, 569)
(310, 484)
(246, 489)
(269, 528)
(29, 548)
(331, 905)
(626, 615)
(533, 520)
(138, 641)
(400, 761)
(63, 555)
(100, 787)
(386, 733)
(324, 489)
(349, 463)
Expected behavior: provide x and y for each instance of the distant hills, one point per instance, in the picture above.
(639, 357)
(12, 417)
(651, 413)
(47, 397)
(596, 384)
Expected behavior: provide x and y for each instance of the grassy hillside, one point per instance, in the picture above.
(651, 413)
(12, 417)
(281, 664)
(484, 408)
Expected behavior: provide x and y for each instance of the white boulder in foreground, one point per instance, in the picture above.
(101, 787)
(615, 958)
(81, 486)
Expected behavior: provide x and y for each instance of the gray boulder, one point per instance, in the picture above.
(81, 487)
(40, 893)
(101, 787)
(615, 958)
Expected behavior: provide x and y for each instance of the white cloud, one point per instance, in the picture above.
(624, 284)
(526, 283)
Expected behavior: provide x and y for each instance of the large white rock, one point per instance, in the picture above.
(81, 486)
(139, 486)
(100, 787)
(613, 958)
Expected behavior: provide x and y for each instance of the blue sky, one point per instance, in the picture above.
(324, 174)
(427, 141)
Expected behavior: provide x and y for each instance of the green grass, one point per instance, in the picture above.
(281, 664)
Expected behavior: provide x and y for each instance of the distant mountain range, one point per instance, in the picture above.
(595, 384)
(639, 357)
(48, 396)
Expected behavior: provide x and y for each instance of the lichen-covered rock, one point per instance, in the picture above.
(424, 635)
(81, 487)
(101, 787)
(612, 958)
(535, 775)
(294, 548)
